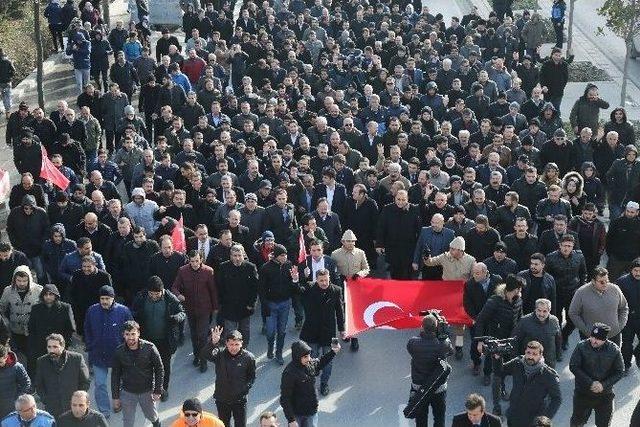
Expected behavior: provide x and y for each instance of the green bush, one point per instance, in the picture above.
(585, 71)
(525, 4)
(16, 23)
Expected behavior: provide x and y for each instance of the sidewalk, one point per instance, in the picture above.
(586, 47)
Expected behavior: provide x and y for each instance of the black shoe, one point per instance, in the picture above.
(280, 360)
(504, 394)
(203, 367)
(497, 411)
(180, 340)
(476, 369)
(196, 361)
(459, 353)
(355, 345)
(324, 389)
(269, 354)
(486, 381)
(155, 423)
(565, 345)
(164, 396)
(263, 331)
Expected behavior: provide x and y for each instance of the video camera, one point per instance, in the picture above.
(444, 329)
(498, 346)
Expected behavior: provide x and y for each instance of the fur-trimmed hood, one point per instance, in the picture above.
(579, 182)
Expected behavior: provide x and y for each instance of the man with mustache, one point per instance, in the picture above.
(536, 387)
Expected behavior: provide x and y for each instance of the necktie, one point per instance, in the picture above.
(285, 215)
(201, 251)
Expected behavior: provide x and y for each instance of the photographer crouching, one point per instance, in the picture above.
(496, 322)
(536, 386)
(429, 371)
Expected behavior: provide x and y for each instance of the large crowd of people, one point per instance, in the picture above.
(253, 163)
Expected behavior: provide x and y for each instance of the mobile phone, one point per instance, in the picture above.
(334, 342)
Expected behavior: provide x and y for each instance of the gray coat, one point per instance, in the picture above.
(547, 333)
(56, 382)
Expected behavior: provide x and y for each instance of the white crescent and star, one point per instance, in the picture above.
(372, 309)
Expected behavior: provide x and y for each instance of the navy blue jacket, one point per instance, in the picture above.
(103, 332)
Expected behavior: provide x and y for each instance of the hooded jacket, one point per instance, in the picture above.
(27, 232)
(549, 126)
(53, 253)
(234, 374)
(626, 133)
(45, 320)
(14, 381)
(82, 52)
(499, 316)
(17, 309)
(622, 177)
(585, 113)
(579, 193)
(297, 388)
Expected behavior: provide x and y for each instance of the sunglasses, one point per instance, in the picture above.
(191, 414)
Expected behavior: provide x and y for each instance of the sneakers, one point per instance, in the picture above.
(475, 370)
(459, 354)
(486, 380)
(324, 389)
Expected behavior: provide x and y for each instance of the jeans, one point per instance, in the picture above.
(82, 79)
(5, 91)
(100, 374)
(277, 322)
(130, 403)
(318, 351)
(242, 326)
(237, 410)
(56, 35)
(307, 420)
(438, 403)
(556, 100)
(104, 85)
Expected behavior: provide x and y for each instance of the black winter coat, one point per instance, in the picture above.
(398, 231)
(27, 232)
(548, 291)
(426, 353)
(481, 245)
(14, 381)
(521, 253)
(136, 263)
(323, 311)
(298, 387)
(569, 273)
(57, 381)
(234, 374)
(474, 297)
(91, 419)
(499, 316)
(623, 237)
(530, 397)
(166, 268)
(46, 320)
(85, 291)
(174, 316)
(630, 287)
(237, 290)
(590, 364)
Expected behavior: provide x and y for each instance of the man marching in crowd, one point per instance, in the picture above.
(407, 122)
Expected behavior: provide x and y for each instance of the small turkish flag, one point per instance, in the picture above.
(396, 304)
(302, 252)
(177, 237)
(51, 173)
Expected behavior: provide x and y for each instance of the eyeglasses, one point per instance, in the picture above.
(191, 414)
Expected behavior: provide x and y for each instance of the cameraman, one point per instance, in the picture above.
(427, 351)
(536, 387)
(499, 316)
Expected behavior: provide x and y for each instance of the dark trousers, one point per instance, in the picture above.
(101, 75)
(298, 309)
(559, 29)
(237, 410)
(432, 273)
(438, 403)
(56, 35)
(199, 329)
(564, 301)
(584, 404)
(476, 357)
(148, 123)
(111, 140)
(165, 356)
(628, 334)
(401, 269)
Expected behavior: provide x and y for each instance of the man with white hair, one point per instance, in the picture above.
(433, 241)
(394, 170)
(27, 414)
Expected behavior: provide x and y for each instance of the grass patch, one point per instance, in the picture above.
(16, 24)
(585, 71)
(525, 4)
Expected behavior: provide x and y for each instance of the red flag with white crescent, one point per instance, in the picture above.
(396, 304)
(302, 252)
(178, 238)
(51, 173)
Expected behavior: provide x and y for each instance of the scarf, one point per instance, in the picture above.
(530, 370)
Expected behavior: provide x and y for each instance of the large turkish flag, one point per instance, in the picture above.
(396, 304)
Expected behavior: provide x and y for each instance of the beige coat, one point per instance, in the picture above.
(16, 309)
(351, 262)
(453, 269)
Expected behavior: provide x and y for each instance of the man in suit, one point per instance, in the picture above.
(335, 193)
(433, 240)
(203, 243)
(475, 414)
(280, 218)
(329, 222)
(369, 141)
